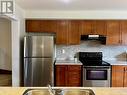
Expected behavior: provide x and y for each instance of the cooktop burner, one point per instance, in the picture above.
(95, 63)
(92, 59)
(103, 63)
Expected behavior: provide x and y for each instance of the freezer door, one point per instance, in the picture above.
(38, 46)
(38, 72)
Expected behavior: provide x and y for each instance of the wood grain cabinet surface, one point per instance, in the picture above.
(87, 27)
(100, 27)
(96, 27)
(68, 32)
(60, 75)
(48, 26)
(116, 32)
(123, 30)
(119, 76)
(68, 75)
(113, 33)
(62, 32)
(33, 26)
(73, 32)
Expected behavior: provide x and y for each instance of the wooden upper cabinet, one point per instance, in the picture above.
(100, 27)
(41, 26)
(68, 32)
(113, 33)
(123, 29)
(73, 32)
(49, 26)
(94, 27)
(87, 27)
(33, 25)
(62, 32)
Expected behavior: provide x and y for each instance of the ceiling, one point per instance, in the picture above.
(73, 4)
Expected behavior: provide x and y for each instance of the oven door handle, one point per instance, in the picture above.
(97, 69)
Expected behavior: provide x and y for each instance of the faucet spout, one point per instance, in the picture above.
(51, 91)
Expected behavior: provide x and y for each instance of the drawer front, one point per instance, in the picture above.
(74, 68)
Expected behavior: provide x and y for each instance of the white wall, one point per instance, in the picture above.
(5, 44)
(17, 34)
(17, 31)
(95, 14)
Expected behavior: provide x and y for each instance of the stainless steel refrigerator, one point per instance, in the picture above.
(38, 61)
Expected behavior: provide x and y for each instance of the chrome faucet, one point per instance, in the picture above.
(55, 91)
(51, 91)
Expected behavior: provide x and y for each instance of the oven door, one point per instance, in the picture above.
(96, 77)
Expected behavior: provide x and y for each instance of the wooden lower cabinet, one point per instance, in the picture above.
(60, 75)
(119, 76)
(125, 80)
(68, 75)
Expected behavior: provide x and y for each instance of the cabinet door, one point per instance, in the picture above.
(73, 32)
(100, 27)
(60, 75)
(74, 76)
(87, 27)
(117, 76)
(49, 26)
(33, 25)
(113, 33)
(62, 32)
(124, 32)
(125, 76)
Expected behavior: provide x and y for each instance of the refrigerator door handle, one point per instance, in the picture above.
(25, 72)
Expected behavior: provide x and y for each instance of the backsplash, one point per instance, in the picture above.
(110, 52)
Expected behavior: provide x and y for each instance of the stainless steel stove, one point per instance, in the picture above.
(96, 72)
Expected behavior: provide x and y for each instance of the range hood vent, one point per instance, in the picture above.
(100, 38)
(94, 37)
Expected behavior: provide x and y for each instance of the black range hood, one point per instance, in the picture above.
(100, 38)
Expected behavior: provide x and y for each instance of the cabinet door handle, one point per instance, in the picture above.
(124, 69)
(119, 41)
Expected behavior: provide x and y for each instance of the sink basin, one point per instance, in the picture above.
(64, 92)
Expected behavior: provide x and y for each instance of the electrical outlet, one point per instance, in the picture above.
(63, 51)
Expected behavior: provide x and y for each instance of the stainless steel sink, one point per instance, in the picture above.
(59, 92)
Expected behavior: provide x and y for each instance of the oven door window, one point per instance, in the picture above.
(96, 74)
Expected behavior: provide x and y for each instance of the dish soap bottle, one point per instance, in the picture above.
(75, 59)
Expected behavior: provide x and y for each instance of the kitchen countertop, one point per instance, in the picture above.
(97, 91)
(72, 62)
(67, 62)
(116, 62)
